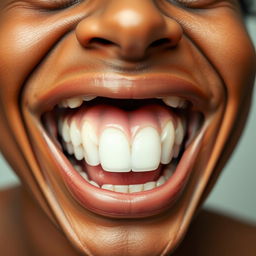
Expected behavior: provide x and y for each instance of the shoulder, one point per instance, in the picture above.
(10, 222)
(212, 233)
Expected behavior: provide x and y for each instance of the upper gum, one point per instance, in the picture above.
(130, 127)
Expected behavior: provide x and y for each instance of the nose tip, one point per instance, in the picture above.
(131, 29)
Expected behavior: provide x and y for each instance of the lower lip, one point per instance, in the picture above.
(124, 205)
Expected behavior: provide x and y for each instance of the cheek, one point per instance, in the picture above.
(225, 43)
(22, 47)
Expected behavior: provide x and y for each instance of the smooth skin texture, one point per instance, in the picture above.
(45, 42)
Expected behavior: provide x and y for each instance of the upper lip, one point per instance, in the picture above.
(122, 87)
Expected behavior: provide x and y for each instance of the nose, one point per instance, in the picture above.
(129, 29)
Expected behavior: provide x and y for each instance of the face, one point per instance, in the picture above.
(119, 115)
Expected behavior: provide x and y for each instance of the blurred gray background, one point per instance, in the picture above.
(235, 192)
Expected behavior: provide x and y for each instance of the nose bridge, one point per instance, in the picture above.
(130, 25)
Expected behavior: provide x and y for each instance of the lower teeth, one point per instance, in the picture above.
(168, 172)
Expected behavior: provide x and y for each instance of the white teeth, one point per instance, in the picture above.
(167, 139)
(79, 152)
(160, 181)
(149, 185)
(74, 102)
(84, 175)
(88, 98)
(121, 188)
(175, 102)
(114, 151)
(94, 183)
(135, 188)
(179, 134)
(90, 144)
(65, 131)
(142, 154)
(75, 135)
(108, 187)
(146, 150)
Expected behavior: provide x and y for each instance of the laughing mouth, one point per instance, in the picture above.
(119, 147)
(127, 151)
(125, 146)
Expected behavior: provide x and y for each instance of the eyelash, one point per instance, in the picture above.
(190, 3)
(62, 4)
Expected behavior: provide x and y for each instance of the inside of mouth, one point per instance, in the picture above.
(122, 145)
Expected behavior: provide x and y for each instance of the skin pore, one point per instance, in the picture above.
(54, 50)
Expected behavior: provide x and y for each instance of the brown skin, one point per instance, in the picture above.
(41, 47)
(209, 234)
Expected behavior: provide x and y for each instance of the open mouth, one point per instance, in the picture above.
(128, 157)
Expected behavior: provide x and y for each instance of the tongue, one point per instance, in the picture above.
(97, 174)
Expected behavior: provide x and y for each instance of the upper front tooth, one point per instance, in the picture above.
(167, 138)
(75, 134)
(74, 102)
(90, 144)
(173, 101)
(114, 151)
(146, 150)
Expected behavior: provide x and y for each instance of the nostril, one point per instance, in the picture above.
(100, 41)
(160, 42)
